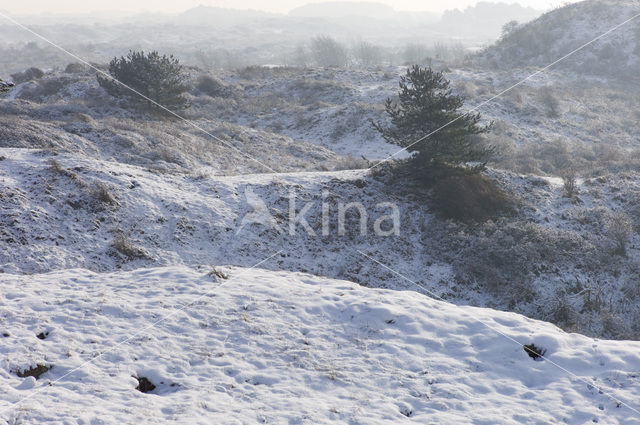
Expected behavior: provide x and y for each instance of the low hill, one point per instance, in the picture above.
(559, 32)
(341, 9)
(218, 16)
(485, 18)
(552, 261)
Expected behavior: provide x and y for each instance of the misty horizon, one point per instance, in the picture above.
(282, 7)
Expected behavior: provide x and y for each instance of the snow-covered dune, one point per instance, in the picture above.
(562, 30)
(255, 346)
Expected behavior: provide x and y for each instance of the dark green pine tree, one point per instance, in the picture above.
(160, 78)
(427, 111)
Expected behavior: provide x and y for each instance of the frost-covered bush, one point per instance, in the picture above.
(75, 68)
(467, 88)
(212, 86)
(328, 52)
(549, 101)
(308, 91)
(367, 54)
(101, 193)
(43, 88)
(569, 184)
(27, 75)
(512, 255)
(123, 245)
(619, 229)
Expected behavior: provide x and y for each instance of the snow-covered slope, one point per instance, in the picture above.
(552, 261)
(562, 30)
(255, 346)
(70, 113)
(328, 107)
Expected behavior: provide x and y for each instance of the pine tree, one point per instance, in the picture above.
(160, 78)
(427, 110)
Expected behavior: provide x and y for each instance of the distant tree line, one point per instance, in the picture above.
(326, 51)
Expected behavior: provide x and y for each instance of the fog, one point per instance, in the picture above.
(277, 6)
(215, 37)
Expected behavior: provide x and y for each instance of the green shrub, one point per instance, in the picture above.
(147, 80)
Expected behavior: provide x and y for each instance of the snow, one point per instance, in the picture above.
(282, 347)
(287, 342)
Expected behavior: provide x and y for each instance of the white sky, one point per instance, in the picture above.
(84, 6)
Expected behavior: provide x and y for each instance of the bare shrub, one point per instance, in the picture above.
(328, 52)
(549, 100)
(619, 229)
(309, 91)
(367, 54)
(56, 167)
(613, 326)
(101, 193)
(563, 313)
(170, 155)
(351, 163)
(124, 246)
(415, 54)
(515, 96)
(53, 85)
(570, 185)
(254, 72)
(471, 197)
(300, 57)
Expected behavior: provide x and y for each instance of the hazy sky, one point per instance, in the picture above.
(83, 6)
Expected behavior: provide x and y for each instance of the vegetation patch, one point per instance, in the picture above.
(534, 351)
(470, 197)
(124, 246)
(35, 371)
(144, 385)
